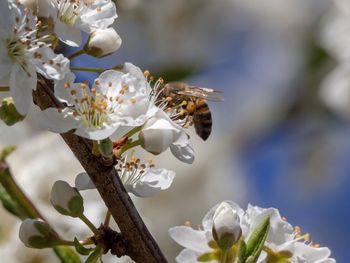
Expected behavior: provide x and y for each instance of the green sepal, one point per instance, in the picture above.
(256, 241)
(208, 257)
(48, 238)
(9, 113)
(61, 210)
(95, 255)
(40, 242)
(81, 249)
(66, 254)
(76, 206)
(6, 152)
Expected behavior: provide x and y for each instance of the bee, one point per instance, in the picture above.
(189, 104)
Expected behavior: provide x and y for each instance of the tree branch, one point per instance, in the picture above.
(141, 246)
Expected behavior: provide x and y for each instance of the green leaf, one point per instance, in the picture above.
(81, 249)
(94, 256)
(242, 251)
(256, 241)
(66, 254)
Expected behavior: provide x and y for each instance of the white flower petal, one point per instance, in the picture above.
(189, 238)
(151, 183)
(308, 254)
(28, 230)
(158, 135)
(62, 193)
(109, 82)
(5, 19)
(62, 92)
(21, 86)
(55, 121)
(5, 81)
(280, 230)
(95, 134)
(51, 65)
(187, 256)
(5, 62)
(47, 8)
(103, 42)
(133, 70)
(83, 182)
(182, 149)
(226, 221)
(100, 15)
(68, 34)
(207, 221)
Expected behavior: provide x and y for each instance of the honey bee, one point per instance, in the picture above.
(189, 104)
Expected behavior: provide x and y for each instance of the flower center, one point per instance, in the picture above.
(92, 108)
(70, 10)
(16, 50)
(133, 170)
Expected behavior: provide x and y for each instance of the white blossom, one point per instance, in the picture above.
(22, 55)
(282, 240)
(103, 42)
(196, 242)
(160, 133)
(72, 17)
(116, 99)
(143, 180)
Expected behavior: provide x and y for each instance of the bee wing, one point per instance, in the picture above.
(202, 93)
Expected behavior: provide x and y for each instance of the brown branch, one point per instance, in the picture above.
(141, 246)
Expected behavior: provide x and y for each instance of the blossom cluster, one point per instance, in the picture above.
(283, 243)
(123, 99)
(117, 100)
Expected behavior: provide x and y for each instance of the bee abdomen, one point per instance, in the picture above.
(202, 119)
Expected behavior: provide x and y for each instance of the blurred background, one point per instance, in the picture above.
(281, 137)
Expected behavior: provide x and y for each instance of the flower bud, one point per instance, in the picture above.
(226, 228)
(66, 199)
(103, 42)
(158, 134)
(9, 113)
(38, 234)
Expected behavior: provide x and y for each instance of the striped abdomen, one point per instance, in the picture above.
(202, 119)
